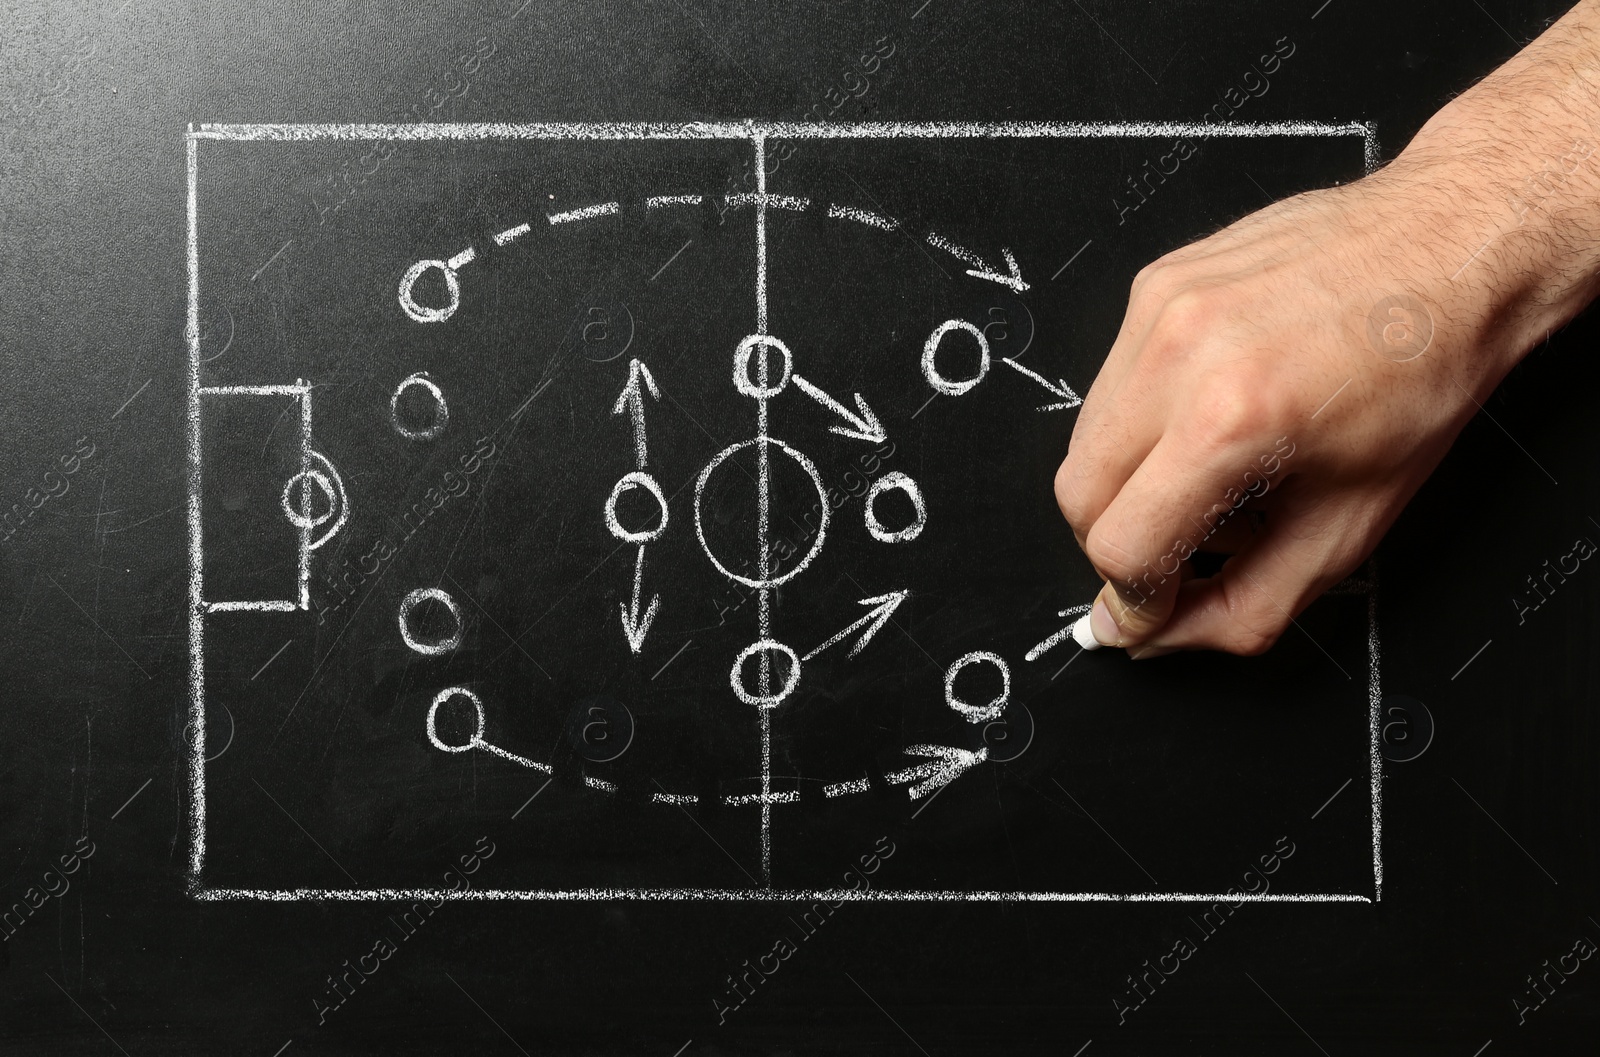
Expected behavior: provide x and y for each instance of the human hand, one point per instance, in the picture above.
(1279, 390)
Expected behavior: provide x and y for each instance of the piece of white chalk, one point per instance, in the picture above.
(1083, 635)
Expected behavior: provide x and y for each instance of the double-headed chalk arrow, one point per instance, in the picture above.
(1061, 390)
(886, 605)
(634, 624)
(633, 397)
(864, 426)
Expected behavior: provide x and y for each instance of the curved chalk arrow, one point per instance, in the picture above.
(634, 626)
(886, 605)
(1060, 389)
(633, 397)
(864, 426)
(946, 765)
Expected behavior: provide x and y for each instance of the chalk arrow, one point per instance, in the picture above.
(947, 764)
(633, 397)
(634, 626)
(1069, 399)
(1014, 280)
(980, 268)
(886, 605)
(864, 426)
(1061, 636)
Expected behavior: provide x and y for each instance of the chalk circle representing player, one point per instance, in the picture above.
(422, 313)
(822, 524)
(332, 486)
(790, 681)
(438, 645)
(475, 740)
(895, 479)
(628, 482)
(930, 370)
(441, 410)
(978, 713)
(741, 366)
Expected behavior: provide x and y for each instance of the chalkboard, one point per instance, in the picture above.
(524, 516)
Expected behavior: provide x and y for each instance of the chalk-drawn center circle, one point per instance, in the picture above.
(754, 379)
(299, 488)
(437, 418)
(430, 621)
(819, 513)
(638, 480)
(776, 657)
(443, 697)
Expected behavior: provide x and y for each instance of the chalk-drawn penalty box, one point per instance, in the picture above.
(723, 442)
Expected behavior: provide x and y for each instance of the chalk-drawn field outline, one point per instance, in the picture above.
(318, 475)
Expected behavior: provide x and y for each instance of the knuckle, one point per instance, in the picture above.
(1109, 550)
(1228, 409)
(1188, 313)
(1154, 285)
(1253, 642)
(1070, 496)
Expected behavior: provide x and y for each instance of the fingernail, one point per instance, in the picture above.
(1144, 653)
(1105, 629)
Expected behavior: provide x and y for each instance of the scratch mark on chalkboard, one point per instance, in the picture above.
(307, 832)
(285, 1046)
(885, 1012)
(274, 257)
(136, 524)
(1507, 832)
(271, 659)
(531, 799)
(485, 1012)
(132, 398)
(97, 626)
(1331, 799)
(490, 618)
(1115, 41)
(674, 657)
(131, 799)
(85, 1012)
(1286, 1013)
(1107, 832)
(713, 840)
(1057, 275)
(670, 259)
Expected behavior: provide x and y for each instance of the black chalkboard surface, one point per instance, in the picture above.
(531, 530)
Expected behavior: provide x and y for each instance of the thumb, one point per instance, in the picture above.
(1128, 614)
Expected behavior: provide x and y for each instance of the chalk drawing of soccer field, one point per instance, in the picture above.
(779, 400)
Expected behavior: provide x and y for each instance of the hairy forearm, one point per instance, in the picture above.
(1512, 168)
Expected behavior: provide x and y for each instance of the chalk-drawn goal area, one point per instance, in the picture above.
(672, 504)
